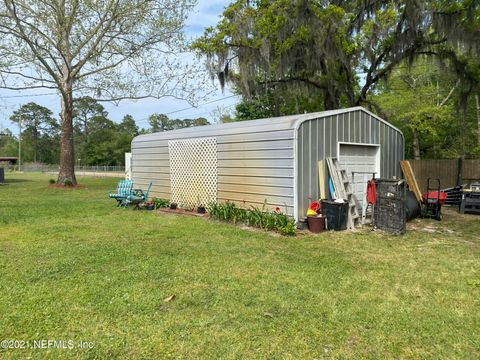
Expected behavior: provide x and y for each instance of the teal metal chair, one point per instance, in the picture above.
(124, 189)
(138, 197)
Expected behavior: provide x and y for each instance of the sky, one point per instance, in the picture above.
(206, 13)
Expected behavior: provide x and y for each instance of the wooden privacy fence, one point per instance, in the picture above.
(451, 172)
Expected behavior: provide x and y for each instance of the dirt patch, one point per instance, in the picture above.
(61, 186)
(181, 212)
(453, 225)
(451, 213)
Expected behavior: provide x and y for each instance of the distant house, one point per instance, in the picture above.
(12, 160)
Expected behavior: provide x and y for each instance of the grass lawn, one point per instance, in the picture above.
(74, 267)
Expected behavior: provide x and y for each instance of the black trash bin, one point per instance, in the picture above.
(2, 175)
(390, 210)
(391, 189)
(390, 215)
(336, 214)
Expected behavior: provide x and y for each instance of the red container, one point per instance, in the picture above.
(433, 197)
(315, 206)
(316, 224)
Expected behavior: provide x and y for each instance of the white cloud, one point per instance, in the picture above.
(206, 13)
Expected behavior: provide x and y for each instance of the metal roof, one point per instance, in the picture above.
(8, 158)
(276, 123)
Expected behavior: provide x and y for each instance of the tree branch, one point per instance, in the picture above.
(17, 73)
(27, 87)
(78, 66)
(449, 94)
(11, 7)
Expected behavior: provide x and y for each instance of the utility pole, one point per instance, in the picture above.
(20, 146)
(477, 102)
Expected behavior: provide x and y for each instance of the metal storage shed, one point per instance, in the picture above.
(269, 160)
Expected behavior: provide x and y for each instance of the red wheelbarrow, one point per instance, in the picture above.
(432, 200)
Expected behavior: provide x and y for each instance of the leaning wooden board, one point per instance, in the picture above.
(410, 178)
(321, 179)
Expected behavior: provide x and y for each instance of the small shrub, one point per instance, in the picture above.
(212, 209)
(68, 183)
(290, 229)
(51, 181)
(255, 217)
(282, 219)
(240, 216)
(160, 203)
(227, 211)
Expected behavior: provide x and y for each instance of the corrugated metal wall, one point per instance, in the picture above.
(256, 158)
(319, 138)
(255, 161)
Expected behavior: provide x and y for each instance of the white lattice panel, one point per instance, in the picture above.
(193, 171)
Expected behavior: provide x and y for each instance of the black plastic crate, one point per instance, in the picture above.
(470, 202)
(2, 175)
(336, 214)
(391, 189)
(390, 215)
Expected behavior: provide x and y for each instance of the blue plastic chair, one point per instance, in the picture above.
(138, 197)
(124, 189)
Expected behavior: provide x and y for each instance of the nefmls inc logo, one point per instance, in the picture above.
(54, 344)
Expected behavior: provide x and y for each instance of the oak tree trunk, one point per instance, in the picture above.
(67, 155)
(477, 102)
(416, 145)
(330, 100)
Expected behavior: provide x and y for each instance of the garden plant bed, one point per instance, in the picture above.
(181, 212)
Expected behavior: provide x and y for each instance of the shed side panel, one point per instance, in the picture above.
(253, 167)
(353, 126)
(253, 171)
(392, 151)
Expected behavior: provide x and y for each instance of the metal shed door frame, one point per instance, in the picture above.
(378, 146)
(377, 159)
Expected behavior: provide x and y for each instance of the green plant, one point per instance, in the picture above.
(212, 209)
(255, 217)
(68, 183)
(160, 203)
(225, 211)
(240, 216)
(290, 229)
(51, 181)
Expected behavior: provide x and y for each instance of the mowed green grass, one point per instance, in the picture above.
(75, 267)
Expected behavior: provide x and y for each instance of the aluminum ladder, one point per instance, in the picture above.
(343, 190)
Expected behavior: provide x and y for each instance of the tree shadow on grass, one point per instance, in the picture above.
(12, 181)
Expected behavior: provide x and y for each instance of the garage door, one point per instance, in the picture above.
(360, 162)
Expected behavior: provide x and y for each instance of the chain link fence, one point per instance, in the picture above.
(94, 170)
